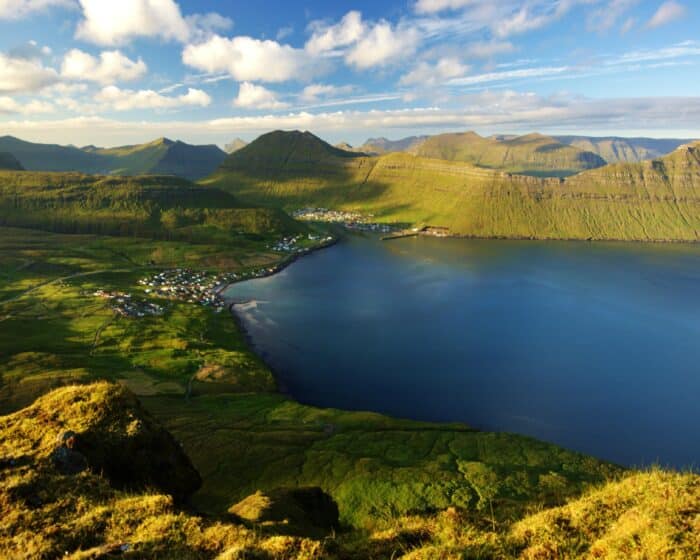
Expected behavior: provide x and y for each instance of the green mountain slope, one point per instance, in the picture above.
(533, 154)
(624, 150)
(9, 162)
(162, 156)
(657, 200)
(148, 206)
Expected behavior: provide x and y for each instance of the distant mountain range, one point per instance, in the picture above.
(485, 151)
(652, 200)
(161, 157)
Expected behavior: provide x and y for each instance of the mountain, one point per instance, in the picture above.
(620, 150)
(152, 206)
(9, 162)
(235, 145)
(385, 146)
(162, 156)
(533, 154)
(278, 151)
(648, 201)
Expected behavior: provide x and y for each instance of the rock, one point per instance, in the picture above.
(69, 461)
(300, 508)
(106, 429)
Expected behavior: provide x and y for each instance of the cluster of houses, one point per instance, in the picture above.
(292, 244)
(189, 285)
(351, 220)
(127, 306)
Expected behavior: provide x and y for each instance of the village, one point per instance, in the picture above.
(293, 244)
(350, 220)
(127, 306)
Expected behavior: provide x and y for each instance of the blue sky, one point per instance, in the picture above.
(111, 73)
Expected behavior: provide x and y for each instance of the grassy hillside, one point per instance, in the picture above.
(162, 156)
(61, 494)
(147, 206)
(9, 162)
(624, 150)
(533, 154)
(655, 201)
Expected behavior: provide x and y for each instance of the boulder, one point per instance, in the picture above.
(299, 508)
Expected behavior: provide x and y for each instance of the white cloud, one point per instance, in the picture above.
(118, 99)
(327, 38)
(667, 12)
(433, 6)
(114, 22)
(314, 92)
(383, 44)
(510, 75)
(488, 49)
(112, 66)
(628, 25)
(202, 26)
(24, 75)
(18, 9)
(248, 59)
(431, 74)
(490, 111)
(9, 106)
(251, 96)
(603, 18)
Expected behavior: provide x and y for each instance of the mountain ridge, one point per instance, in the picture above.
(161, 156)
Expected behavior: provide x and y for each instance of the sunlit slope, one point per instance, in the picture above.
(657, 200)
(152, 206)
(533, 154)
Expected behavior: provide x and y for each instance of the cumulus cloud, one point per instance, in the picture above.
(432, 74)
(383, 44)
(9, 106)
(251, 96)
(18, 9)
(23, 75)
(667, 12)
(327, 38)
(247, 59)
(117, 22)
(110, 67)
(118, 99)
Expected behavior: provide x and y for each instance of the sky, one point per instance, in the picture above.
(122, 72)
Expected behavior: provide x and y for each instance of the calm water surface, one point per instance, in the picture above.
(595, 347)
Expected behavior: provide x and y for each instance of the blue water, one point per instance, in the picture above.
(595, 347)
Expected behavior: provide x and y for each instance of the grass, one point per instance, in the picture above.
(46, 512)
(650, 201)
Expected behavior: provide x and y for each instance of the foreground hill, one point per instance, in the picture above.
(650, 201)
(533, 154)
(9, 162)
(162, 156)
(147, 206)
(624, 150)
(87, 472)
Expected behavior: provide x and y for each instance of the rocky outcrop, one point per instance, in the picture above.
(298, 508)
(104, 428)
